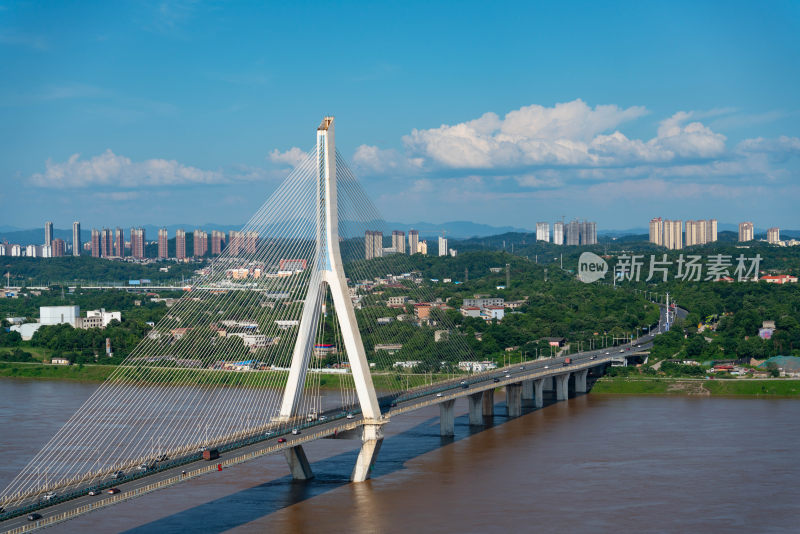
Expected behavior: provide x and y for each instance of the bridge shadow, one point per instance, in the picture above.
(333, 472)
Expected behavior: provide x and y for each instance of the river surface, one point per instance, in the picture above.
(596, 463)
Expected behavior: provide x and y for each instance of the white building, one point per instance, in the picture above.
(477, 367)
(26, 330)
(50, 315)
(100, 318)
(543, 231)
(32, 251)
(558, 233)
(410, 364)
(442, 246)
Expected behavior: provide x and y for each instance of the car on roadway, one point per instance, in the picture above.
(608, 353)
(295, 431)
(508, 376)
(281, 440)
(495, 379)
(521, 367)
(350, 415)
(594, 357)
(622, 350)
(465, 385)
(323, 418)
(438, 394)
(94, 492)
(547, 367)
(463, 382)
(34, 516)
(49, 496)
(118, 475)
(112, 491)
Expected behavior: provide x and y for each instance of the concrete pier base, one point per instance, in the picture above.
(580, 381)
(527, 390)
(298, 463)
(475, 405)
(514, 399)
(447, 418)
(562, 386)
(538, 397)
(488, 403)
(371, 441)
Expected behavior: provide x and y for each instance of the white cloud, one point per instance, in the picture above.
(292, 157)
(110, 169)
(781, 145)
(374, 160)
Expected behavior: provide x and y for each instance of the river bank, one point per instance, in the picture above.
(775, 387)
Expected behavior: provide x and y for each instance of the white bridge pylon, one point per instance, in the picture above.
(327, 272)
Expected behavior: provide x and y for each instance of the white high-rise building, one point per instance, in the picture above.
(399, 241)
(543, 231)
(773, 235)
(657, 231)
(48, 233)
(673, 235)
(558, 233)
(746, 231)
(442, 246)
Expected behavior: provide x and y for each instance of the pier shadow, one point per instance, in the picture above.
(331, 473)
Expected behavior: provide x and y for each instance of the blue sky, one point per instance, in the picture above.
(118, 113)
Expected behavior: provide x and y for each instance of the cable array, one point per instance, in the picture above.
(214, 368)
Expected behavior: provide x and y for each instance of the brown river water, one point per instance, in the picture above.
(596, 463)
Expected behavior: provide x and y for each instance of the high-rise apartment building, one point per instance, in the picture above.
(443, 246)
(235, 243)
(373, 244)
(137, 243)
(251, 242)
(217, 242)
(106, 243)
(573, 233)
(163, 244)
(774, 235)
(200, 243)
(399, 241)
(673, 234)
(119, 243)
(57, 248)
(95, 243)
(657, 231)
(711, 231)
(413, 241)
(180, 244)
(48, 233)
(693, 233)
(745, 231)
(76, 238)
(588, 233)
(422, 247)
(558, 233)
(543, 231)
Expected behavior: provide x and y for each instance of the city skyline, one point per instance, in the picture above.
(623, 125)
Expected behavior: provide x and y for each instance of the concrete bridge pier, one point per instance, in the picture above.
(538, 386)
(298, 463)
(447, 418)
(527, 390)
(488, 403)
(562, 386)
(514, 399)
(371, 441)
(548, 383)
(580, 381)
(475, 413)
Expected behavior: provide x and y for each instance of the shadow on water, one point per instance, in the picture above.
(330, 473)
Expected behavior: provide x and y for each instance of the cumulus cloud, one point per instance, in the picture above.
(781, 145)
(292, 157)
(567, 134)
(376, 160)
(109, 169)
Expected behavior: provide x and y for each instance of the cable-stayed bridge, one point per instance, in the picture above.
(236, 368)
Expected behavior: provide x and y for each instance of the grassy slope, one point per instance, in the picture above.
(677, 386)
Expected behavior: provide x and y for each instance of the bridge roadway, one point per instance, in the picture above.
(439, 393)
